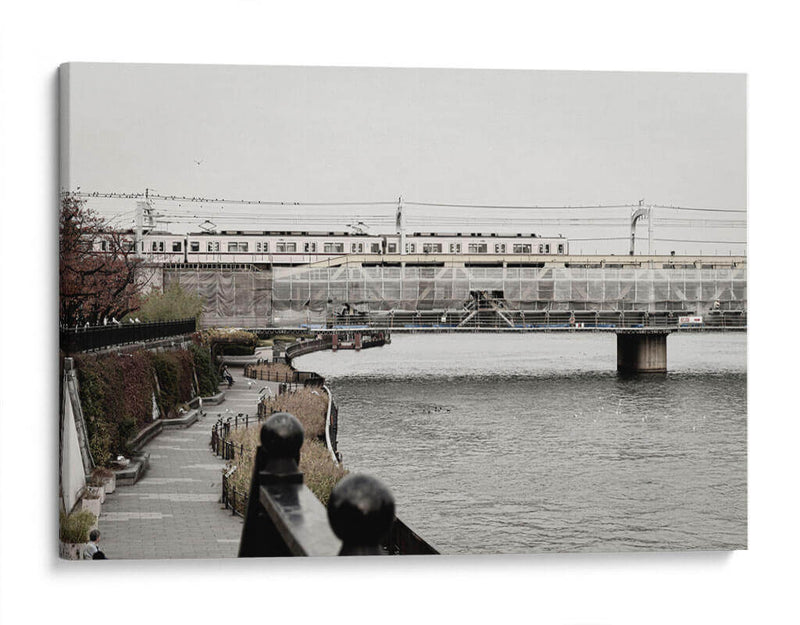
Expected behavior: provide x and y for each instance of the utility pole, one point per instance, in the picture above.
(137, 241)
(142, 209)
(642, 211)
(400, 223)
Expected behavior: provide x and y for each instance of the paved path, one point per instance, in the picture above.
(174, 510)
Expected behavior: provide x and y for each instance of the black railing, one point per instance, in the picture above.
(284, 518)
(88, 338)
(263, 372)
(307, 347)
(506, 319)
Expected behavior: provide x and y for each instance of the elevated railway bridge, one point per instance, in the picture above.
(511, 292)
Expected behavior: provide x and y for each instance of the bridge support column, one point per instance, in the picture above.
(642, 351)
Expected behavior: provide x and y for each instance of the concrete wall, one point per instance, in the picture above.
(72, 457)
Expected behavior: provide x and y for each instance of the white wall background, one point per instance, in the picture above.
(744, 587)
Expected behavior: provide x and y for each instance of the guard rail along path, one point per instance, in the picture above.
(85, 338)
(284, 518)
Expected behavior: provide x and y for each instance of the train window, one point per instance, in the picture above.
(103, 246)
(286, 246)
(411, 248)
(455, 248)
(546, 248)
(522, 248)
(360, 247)
(334, 248)
(392, 248)
(375, 248)
(560, 248)
(310, 246)
(177, 246)
(158, 246)
(194, 246)
(212, 246)
(432, 248)
(499, 248)
(353, 248)
(262, 247)
(477, 248)
(541, 248)
(127, 246)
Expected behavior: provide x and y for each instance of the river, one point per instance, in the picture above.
(495, 443)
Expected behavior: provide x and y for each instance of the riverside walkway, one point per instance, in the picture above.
(174, 510)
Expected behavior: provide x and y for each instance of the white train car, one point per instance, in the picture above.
(301, 247)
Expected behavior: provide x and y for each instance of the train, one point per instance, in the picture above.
(302, 247)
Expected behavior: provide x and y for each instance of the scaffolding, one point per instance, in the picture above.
(311, 295)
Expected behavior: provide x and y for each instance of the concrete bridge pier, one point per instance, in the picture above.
(642, 350)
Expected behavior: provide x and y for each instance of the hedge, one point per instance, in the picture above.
(116, 392)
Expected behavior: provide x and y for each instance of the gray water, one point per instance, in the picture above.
(532, 443)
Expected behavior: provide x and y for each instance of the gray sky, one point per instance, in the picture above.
(294, 134)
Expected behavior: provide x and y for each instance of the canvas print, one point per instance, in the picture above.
(324, 311)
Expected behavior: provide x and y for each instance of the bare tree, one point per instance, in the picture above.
(97, 270)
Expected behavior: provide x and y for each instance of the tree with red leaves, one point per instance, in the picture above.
(97, 270)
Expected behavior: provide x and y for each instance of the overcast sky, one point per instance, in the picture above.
(294, 134)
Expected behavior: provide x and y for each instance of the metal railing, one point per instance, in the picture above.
(399, 539)
(261, 371)
(285, 519)
(532, 320)
(88, 338)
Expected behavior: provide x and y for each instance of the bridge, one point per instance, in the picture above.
(429, 288)
(659, 261)
(641, 348)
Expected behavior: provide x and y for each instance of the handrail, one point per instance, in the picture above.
(284, 518)
(87, 338)
(328, 427)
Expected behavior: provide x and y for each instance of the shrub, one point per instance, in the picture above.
(230, 336)
(207, 378)
(116, 394)
(173, 303)
(238, 350)
(174, 371)
(75, 527)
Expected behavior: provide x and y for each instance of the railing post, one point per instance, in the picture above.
(361, 513)
(276, 462)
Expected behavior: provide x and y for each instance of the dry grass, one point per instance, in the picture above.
(320, 473)
(279, 368)
(309, 406)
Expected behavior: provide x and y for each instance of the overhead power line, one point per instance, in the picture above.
(709, 210)
(518, 207)
(185, 198)
(701, 241)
